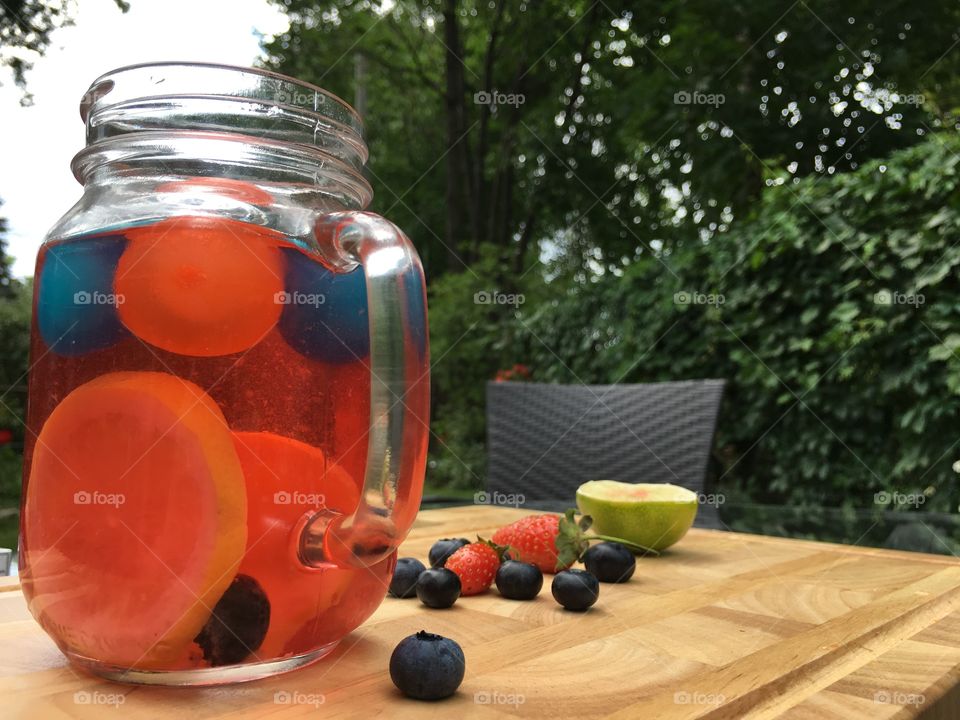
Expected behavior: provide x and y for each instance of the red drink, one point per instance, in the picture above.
(201, 388)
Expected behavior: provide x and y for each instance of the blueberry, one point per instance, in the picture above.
(575, 589)
(325, 313)
(519, 580)
(76, 303)
(438, 587)
(610, 562)
(427, 666)
(443, 549)
(238, 624)
(404, 582)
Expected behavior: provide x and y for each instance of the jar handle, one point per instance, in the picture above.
(399, 394)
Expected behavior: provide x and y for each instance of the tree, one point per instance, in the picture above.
(8, 286)
(451, 93)
(633, 127)
(838, 340)
(26, 27)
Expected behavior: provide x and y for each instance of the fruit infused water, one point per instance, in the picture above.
(200, 389)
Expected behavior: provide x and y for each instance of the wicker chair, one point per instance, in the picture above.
(544, 440)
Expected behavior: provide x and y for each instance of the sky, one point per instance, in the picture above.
(38, 142)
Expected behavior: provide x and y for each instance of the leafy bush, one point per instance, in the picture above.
(832, 312)
(474, 334)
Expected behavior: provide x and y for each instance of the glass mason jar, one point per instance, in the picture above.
(229, 390)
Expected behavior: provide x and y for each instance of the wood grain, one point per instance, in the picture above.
(724, 625)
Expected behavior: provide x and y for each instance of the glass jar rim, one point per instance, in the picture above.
(170, 104)
(193, 96)
(285, 90)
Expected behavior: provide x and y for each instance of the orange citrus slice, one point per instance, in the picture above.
(134, 518)
(200, 286)
(287, 481)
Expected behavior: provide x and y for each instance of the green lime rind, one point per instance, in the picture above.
(656, 524)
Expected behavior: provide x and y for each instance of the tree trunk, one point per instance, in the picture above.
(461, 220)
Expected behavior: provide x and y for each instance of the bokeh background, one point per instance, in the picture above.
(603, 192)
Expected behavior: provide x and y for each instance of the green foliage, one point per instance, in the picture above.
(601, 161)
(821, 180)
(26, 27)
(9, 528)
(634, 197)
(15, 309)
(815, 87)
(11, 467)
(832, 314)
(470, 340)
(8, 286)
(840, 298)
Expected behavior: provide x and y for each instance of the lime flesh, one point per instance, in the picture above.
(652, 515)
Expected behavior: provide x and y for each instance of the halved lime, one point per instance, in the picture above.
(649, 514)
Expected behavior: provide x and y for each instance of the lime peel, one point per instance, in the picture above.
(647, 515)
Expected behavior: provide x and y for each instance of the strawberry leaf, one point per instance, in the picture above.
(570, 541)
(501, 550)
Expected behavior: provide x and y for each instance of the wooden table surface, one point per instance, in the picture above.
(723, 625)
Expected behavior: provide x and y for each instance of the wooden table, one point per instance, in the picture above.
(724, 625)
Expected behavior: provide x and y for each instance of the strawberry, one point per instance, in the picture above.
(533, 539)
(476, 565)
(553, 542)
